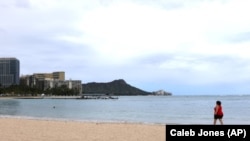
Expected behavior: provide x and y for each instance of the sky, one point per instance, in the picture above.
(194, 47)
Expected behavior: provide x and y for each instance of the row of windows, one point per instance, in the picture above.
(6, 80)
(9, 71)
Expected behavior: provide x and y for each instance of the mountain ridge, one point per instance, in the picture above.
(115, 87)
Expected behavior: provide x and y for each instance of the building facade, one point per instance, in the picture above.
(9, 72)
(54, 75)
(71, 84)
(46, 81)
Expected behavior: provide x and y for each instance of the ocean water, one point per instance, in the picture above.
(142, 109)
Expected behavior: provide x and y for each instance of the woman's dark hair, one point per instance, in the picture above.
(218, 102)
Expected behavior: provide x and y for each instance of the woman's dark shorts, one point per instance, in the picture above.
(218, 116)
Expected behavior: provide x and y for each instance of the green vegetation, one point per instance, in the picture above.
(116, 87)
(62, 90)
(21, 90)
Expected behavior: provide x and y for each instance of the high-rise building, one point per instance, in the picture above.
(9, 72)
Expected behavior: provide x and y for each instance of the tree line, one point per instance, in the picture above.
(23, 90)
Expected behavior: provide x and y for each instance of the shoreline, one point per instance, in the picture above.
(39, 97)
(81, 120)
(29, 129)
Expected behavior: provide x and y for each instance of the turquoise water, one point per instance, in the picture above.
(143, 109)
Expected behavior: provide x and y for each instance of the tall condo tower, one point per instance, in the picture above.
(9, 72)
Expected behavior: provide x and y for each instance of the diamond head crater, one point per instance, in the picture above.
(117, 87)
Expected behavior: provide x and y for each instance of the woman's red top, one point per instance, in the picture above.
(219, 111)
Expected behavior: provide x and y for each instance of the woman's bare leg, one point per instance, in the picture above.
(221, 122)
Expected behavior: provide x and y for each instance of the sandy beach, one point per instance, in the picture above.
(20, 129)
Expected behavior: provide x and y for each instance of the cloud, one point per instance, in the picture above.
(239, 37)
(127, 32)
(128, 28)
(15, 3)
(148, 43)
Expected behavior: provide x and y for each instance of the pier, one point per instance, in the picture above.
(97, 96)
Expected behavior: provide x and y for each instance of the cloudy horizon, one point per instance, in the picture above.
(183, 47)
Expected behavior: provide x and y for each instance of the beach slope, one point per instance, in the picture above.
(19, 129)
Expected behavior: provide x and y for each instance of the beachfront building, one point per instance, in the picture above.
(9, 72)
(71, 84)
(54, 75)
(35, 79)
(45, 81)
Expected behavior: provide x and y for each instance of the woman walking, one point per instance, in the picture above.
(218, 113)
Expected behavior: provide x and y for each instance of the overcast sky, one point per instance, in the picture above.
(180, 46)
